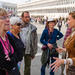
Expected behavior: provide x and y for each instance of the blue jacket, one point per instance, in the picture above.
(56, 35)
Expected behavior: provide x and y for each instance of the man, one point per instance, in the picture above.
(28, 35)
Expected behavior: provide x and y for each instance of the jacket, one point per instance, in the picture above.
(56, 35)
(17, 45)
(4, 64)
(70, 46)
(29, 38)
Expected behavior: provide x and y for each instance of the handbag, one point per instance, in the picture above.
(53, 52)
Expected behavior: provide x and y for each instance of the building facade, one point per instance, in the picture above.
(47, 8)
(10, 7)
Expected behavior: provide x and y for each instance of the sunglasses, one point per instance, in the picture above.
(4, 17)
(18, 24)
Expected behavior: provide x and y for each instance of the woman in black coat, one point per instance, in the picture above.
(16, 41)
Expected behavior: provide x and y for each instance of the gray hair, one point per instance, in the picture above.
(14, 20)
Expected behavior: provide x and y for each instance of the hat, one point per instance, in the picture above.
(15, 20)
(51, 20)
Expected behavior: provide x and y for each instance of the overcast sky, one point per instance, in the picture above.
(15, 1)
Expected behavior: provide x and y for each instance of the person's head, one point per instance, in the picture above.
(4, 20)
(71, 19)
(16, 24)
(51, 23)
(25, 17)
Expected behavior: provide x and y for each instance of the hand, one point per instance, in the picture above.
(56, 64)
(60, 50)
(7, 57)
(50, 46)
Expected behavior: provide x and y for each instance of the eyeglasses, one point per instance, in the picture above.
(26, 16)
(4, 17)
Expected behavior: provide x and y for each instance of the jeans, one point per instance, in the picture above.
(44, 67)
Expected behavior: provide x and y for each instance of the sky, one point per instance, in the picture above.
(15, 1)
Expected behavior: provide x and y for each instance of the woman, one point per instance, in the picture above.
(18, 46)
(48, 38)
(69, 48)
(7, 54)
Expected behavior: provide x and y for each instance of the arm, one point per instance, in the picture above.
(59, 35)
(34, 42)
(69, 61)
(59, 62)
(4, 63)
(42, 39)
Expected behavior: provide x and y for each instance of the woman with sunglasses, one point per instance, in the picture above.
(14, 33)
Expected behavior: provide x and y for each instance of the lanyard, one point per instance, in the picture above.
(9, 46)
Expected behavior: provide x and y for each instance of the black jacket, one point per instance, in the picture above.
(18, 47)
(15, 57)
(4, 64)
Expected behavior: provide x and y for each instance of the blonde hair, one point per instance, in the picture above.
(3, 12)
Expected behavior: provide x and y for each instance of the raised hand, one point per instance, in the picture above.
(56, 64)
